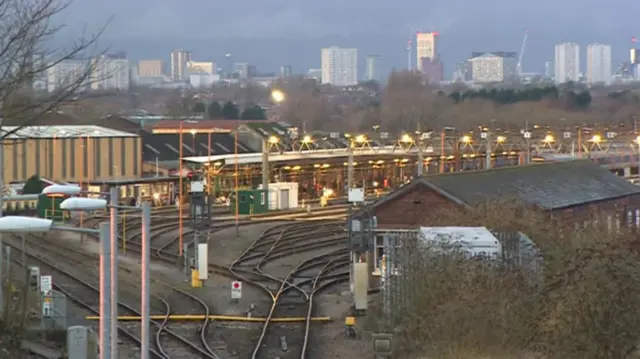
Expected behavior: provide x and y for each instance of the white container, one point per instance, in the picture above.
(283, 195)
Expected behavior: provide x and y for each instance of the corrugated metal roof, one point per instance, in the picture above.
(548, 185)
(71, 131)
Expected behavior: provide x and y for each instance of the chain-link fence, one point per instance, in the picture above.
(404, 257)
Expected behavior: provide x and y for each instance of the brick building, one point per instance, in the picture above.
(571, 191)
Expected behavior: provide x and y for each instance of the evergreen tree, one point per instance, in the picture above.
(230, 111)
(33, 185)
(214, 110)
(254, 112)
(199, 107)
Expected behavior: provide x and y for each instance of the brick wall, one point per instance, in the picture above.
(415, 209)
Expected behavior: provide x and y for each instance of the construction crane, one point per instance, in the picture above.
(522, 47)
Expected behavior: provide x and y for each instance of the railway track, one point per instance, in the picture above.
(291, 293)
(82, 290)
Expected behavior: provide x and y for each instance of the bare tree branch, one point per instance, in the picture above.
(26, 32)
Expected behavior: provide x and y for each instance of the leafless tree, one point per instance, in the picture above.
(26, 33)
(584, 303)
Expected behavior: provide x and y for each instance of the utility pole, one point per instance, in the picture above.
(1, 241)
(114, 235)
(105, 292)
(145, 284)
(488, 150)
(265, 166)
(350, 167)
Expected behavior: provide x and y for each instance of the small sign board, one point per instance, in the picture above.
(356, 195)
(47, 309)
(46, 283)
(236, 289)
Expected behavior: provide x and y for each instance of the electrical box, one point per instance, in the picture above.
(81, 343)
(361, 286)
(34, 278)
(203, 261)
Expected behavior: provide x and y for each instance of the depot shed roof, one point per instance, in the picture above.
(65, 131)
(550, 186)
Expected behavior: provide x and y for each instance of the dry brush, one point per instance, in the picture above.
(585, 305)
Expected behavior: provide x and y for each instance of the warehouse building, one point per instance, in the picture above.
(70, 153)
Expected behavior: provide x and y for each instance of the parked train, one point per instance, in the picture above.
(35, 205)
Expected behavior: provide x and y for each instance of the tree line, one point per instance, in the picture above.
(406, 103)
(229, 110)
(576, 99)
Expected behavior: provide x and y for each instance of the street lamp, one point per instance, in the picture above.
(277, 96)
(91, 204)
(76, 203)
(23, 224)
(637, 141)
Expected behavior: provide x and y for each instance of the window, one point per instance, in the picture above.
(262, 195)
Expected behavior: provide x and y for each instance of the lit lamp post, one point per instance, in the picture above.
(637, 141)
(91, 204)
(40, 225)
(465, 141)
(266, 148)
(277, 97)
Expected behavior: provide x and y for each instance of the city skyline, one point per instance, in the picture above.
(292, 33)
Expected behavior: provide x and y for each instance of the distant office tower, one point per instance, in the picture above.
(634, 57)
(425, 47)
(315, 74)
(244, 70)
(201, 67)
(548, 69)
(433, 69)
(111, 73)
(567, 63)
(179, 60)
(339, 66)
(599, 64)
(67, 72)
(487, 67)
(150, 68)
(462, 72)
(371, 73)
(286, 71)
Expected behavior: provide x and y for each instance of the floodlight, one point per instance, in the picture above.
(62, 189)
(83, 204)
(25, 224)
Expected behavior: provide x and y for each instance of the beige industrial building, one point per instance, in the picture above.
(150, 68)
(71, 153)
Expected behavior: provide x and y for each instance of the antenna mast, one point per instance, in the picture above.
(522, 47)
(409, 62)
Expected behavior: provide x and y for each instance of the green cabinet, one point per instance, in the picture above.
(250, 202)
(49, 207)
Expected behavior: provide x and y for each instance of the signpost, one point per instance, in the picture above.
(46, 283)
(236, 290)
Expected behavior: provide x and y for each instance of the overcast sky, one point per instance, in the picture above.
(270, 33)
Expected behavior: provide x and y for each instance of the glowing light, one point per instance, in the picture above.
(277, 96)
(273, 139)
(638, 140)
(501, 139)
(193, 132)
(406, 138)
(596, 138)
(549, 138)
(361, 138)
(156, 196)
(307, 139)
(466, 139)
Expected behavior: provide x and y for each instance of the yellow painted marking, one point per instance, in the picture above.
(224, 318)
